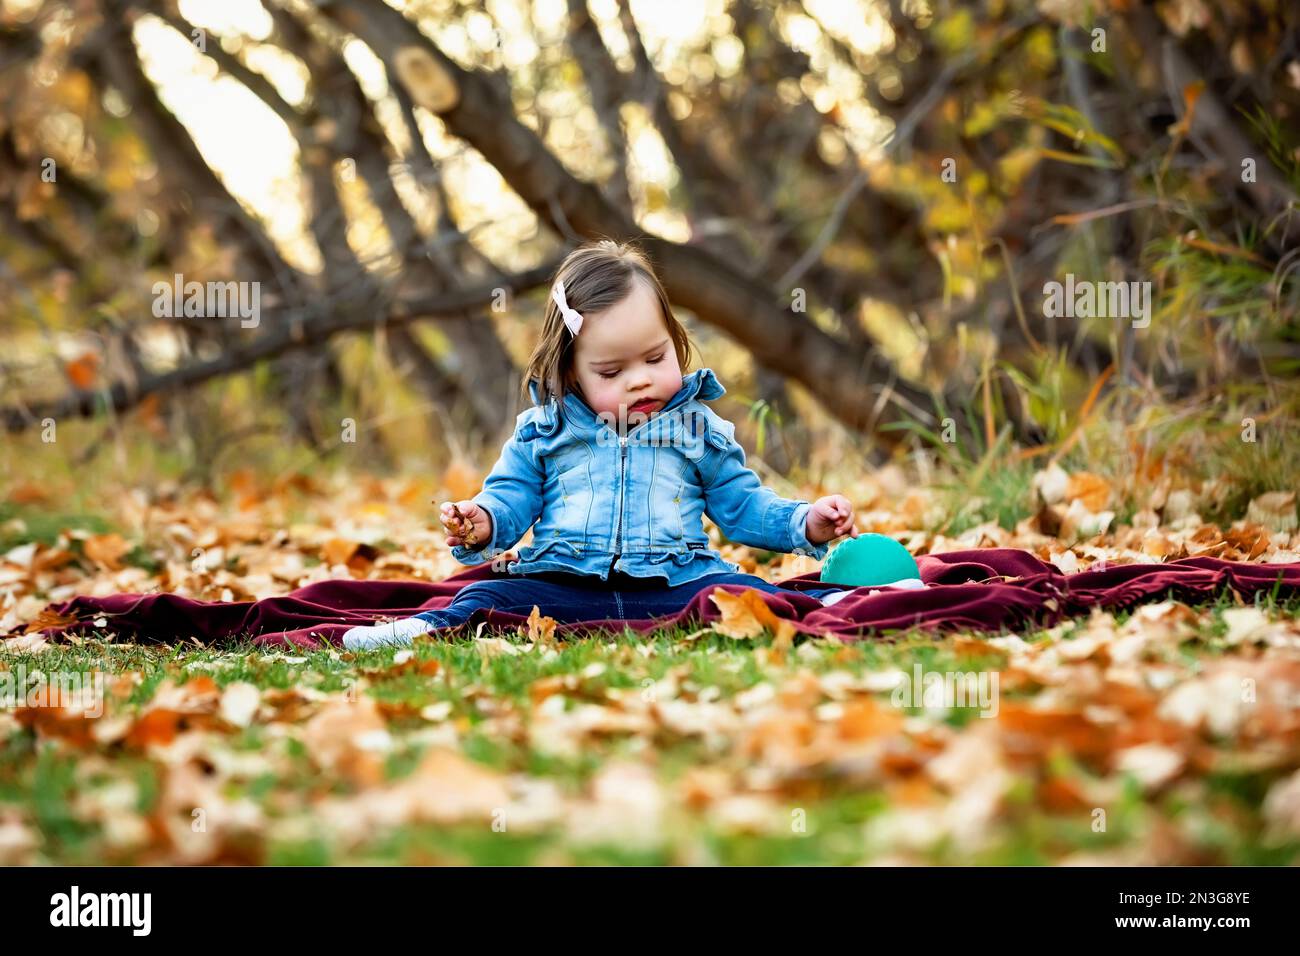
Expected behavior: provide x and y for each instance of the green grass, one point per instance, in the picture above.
(1004, 496)
(839, 816)
(20, 524)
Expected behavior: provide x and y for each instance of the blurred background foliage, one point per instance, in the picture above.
(855, 205)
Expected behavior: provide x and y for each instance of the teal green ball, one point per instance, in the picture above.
(869, 560)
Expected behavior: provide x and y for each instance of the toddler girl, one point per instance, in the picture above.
(613, 467)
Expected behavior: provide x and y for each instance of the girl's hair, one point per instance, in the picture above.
(596, 275)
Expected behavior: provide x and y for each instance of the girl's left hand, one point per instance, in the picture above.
(828, 518)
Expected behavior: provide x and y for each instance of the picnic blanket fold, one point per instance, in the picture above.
(987, 590)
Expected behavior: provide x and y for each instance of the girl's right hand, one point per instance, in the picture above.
(466, 523)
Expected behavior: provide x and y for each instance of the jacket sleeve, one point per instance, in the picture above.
(747, 512)
(512, 495)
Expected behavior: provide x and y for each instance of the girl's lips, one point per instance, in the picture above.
(643, 405)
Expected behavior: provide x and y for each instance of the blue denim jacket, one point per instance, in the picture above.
(602, 502)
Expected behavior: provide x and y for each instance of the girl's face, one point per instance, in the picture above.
(624, 360)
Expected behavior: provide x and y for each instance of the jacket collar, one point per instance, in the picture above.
(701, 384)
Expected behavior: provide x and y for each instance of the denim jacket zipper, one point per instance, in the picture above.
(622, 488)
(618, 534)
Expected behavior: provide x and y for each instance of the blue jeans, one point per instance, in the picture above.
(574, 597)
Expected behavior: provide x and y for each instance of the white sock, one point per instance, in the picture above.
(389, 633)
(906, 584)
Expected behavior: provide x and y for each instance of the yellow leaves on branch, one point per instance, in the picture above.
(430, 83)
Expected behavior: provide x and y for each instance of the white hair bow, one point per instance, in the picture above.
(572, 318)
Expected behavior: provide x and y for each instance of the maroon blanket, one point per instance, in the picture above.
(987, 590)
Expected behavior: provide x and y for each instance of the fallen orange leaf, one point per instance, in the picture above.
(747, 615)
(49, 619)
(863, 719)
(106, 550)
(541, 630)
(1093, 490)
(338, 551)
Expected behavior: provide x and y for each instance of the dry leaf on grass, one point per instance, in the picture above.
(541, 629)
(106, 550)
(349, 738)
(1275, 510)
(1093, 491)
(239, 703)
(45, 620)
(746, 615)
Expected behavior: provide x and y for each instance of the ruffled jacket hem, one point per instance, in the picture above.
(674, 566)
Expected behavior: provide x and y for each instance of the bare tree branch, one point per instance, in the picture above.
(846, 380)
(291, 330)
